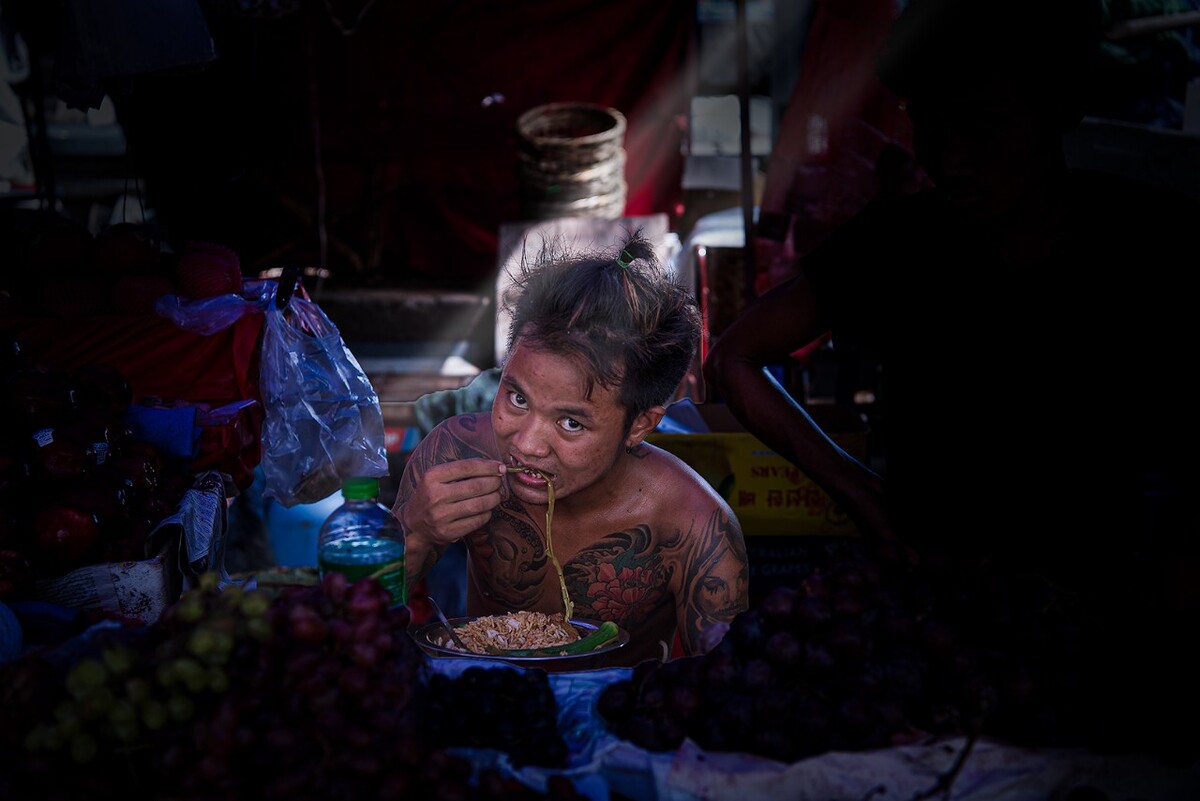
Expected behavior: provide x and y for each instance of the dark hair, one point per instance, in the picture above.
(630, 324)
(1049, 47)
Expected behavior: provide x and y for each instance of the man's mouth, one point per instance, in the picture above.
(532, 472)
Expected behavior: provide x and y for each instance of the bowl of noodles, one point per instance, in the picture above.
(525, 639)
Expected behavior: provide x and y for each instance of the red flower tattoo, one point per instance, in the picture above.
(617, 594)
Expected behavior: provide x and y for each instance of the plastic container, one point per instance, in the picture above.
(362, 538)
(293, 531)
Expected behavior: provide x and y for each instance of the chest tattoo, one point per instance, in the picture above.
(511, 559)
(620, 578)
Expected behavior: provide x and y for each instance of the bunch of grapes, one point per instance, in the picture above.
(319, 692)
(105, 715)
(503, 708)
(867, 652)
(325, 704)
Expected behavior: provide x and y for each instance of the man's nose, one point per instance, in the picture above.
(532, 438)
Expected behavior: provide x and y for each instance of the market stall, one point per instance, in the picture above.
(855, 673)
(284, 685)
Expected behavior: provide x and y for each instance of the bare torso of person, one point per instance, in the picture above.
(649, 546)
(615, 565)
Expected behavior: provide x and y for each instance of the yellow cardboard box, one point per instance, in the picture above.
(768, 494)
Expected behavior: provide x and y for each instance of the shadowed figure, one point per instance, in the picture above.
(1030, 321)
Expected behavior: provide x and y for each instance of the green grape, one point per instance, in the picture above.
(127, 732)
(154, 714)
(208, 582)
(66, 711)
(255, 604)
(38, 738)
(83, 747)
(259, 628)
(232, 596)
(55, 739)
(85, 675)
(201, 641)
(190, 608)
(96, 703)
(180, 708)
(218, 680)
(223, 642)
(123, 712)
(70, 727)
(117, 658)
(137, 689)
(188, 669)
(166, 674)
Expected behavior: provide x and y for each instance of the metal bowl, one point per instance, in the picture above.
(431, 637)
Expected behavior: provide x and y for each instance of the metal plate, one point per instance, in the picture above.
(431, 635)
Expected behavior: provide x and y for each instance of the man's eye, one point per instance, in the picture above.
(571, 425)
(517, 399)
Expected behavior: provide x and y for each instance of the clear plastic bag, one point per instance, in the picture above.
(323, 420)
(208, 316)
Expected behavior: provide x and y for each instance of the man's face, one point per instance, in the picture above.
(542, 419)
(983, 146)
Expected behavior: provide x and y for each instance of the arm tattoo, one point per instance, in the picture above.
(715, 576)
(450, 440)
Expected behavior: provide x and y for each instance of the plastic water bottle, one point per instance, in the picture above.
(362, 538)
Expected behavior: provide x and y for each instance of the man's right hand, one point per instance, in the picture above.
(453, 499)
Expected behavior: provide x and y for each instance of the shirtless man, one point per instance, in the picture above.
(597, 347)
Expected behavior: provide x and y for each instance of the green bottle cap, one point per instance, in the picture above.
(360, 488)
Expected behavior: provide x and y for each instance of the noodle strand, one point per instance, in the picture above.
(568, 606)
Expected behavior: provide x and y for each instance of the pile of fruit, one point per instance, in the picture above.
(318, 692)
(76, 487)
(509, 710)
(868, 652)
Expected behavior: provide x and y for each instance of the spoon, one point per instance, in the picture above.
(437, 610)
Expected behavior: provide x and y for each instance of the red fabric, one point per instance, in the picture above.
(232, 442)
(158, 359)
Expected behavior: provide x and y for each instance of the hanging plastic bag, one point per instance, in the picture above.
(323, 421)
(208, 316)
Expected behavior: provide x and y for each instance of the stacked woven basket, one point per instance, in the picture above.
(571, 161)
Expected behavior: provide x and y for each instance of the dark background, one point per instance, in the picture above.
(412, 111)
(375, 142)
